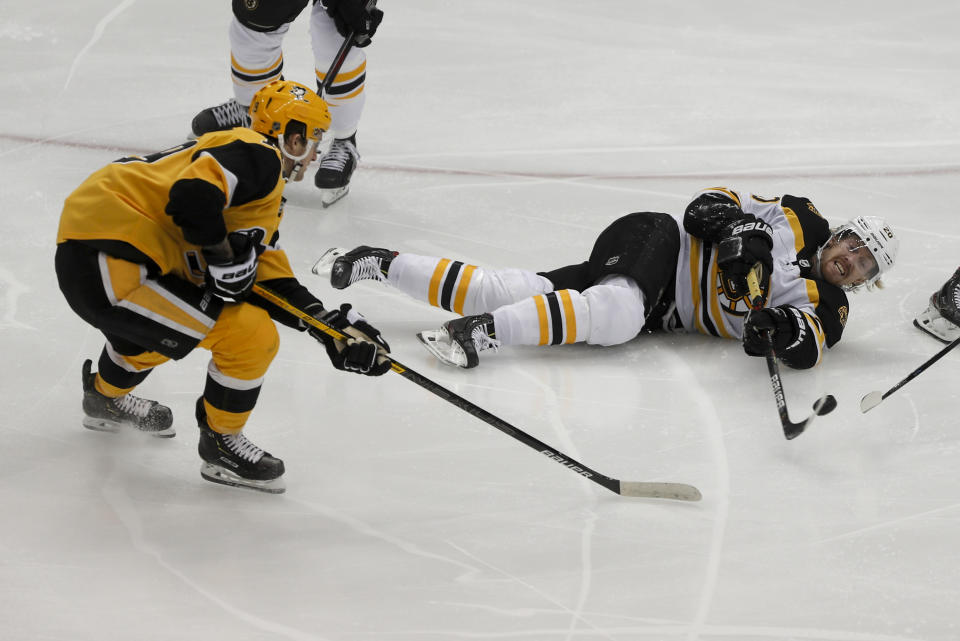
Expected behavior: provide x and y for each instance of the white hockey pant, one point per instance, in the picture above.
(609, 313)
(259, 55)
(461, 288)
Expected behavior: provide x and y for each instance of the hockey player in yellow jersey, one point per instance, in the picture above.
(161, 252)
(652, 271)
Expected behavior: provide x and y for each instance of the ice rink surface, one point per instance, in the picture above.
(504, 134)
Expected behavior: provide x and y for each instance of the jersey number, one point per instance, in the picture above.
(157, 155)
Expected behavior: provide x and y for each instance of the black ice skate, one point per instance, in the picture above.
(460, 341)
(347, 267)
(231, 459)
(105, 414)
(336, 168)
(932, 322)
(226, 116)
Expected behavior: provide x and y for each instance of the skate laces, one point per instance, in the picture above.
(242, 447)
(134, 405)
(230, 113)
(482, 340)
(366, 268)
(337, 156)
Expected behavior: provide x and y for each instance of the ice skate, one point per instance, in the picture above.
(224, 116)
(459, 341)
(344, 268)
(932, 322)
(336, 168)
(105, 414)
(232, 459)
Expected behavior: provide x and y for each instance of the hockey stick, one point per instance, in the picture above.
(678, 491)
(824, 405)
(338, 59)
(873, 399)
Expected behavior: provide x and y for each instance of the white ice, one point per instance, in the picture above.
(506, 134)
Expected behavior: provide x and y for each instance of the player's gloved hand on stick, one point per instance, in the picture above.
(232, 276)
(364, 352)
(359, 16)
(783, 324)
(747, 242)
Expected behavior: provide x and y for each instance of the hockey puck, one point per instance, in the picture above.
(825, 405)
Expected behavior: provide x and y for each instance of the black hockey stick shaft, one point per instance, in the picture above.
(824, 405)
(338, 59)
(677, 491)
(871, 400)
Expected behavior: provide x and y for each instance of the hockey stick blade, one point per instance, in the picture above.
(649, 490)
(874, 398)
(823, 405)
(870, 401)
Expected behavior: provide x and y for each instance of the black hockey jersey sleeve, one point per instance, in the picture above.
(831, 307)
(824, 326)
(220, 177)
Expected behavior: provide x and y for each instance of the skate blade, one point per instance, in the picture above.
(330, 196)
(106, 425)
(216, 474)
(938, 327)
(438, 343)
(324, 264)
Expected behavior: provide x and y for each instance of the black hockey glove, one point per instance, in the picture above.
(363, 353)
(232, 278)
(783, 324)
(747, 242)
(709, 215)
(358, 16)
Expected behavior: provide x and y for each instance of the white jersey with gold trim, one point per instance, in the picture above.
(798, 231)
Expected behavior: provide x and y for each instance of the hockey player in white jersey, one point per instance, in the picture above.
(652, 271)
(257, 32)
(941, 319)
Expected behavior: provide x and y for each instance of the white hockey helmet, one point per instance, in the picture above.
(877, 236)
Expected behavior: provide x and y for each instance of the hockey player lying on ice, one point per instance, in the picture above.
(652, 271)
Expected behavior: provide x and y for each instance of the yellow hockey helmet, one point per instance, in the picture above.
(281, 101)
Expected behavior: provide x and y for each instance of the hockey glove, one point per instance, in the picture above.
(783, 324)
(232, 277)
(747, 242)
(359, 16)
(364, 352)
(709, 215)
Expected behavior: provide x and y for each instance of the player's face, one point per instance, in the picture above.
(296, 147)
(846, 261)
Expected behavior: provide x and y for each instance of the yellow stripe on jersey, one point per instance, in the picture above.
(433, 293)
(696, 247)
(812, 292)
(544, 320)
(716, 314)
(726, 191)
(461, 294)
(569, 314)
